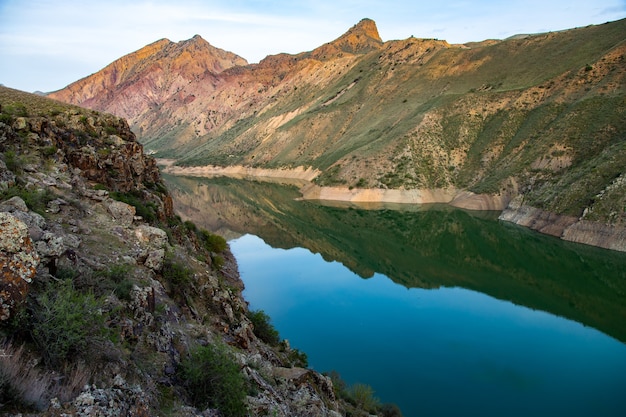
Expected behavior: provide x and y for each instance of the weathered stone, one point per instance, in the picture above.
(122, 212)
(50, 246)
(18, 263)
(155, 259)
(152, 237)
(296, 374)
(20, 123)
(97, 195)
(13, 204)
(7, 178)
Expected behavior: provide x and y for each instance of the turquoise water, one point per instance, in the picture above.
(446, 351)
(444, 312)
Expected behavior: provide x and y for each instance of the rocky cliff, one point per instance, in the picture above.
(536, 116)
(110, 305)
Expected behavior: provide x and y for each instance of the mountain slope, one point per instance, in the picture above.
(540, 116)
(146, 78)
(107, 297)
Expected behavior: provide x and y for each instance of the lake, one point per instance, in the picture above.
(442, 311)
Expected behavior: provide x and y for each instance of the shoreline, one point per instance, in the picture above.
(510, 206)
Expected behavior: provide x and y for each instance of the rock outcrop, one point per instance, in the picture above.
(18, 264)
(570, 228)
(104, 292)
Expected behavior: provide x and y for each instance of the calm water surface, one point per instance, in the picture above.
(443, 312)
(443, 352)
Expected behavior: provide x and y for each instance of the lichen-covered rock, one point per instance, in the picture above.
(122, 212)
(7, 178)
(18, 263)
(151, 237)
(155, 259)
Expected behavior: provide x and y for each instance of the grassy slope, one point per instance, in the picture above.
(402, 118)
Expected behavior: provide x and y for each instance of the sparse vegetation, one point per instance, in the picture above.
(212, 379)
(263, 327)
(66, 322)
(37, 200)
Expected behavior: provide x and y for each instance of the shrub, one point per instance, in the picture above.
(13, 162)
(65, 322)
(146, 209)
(218, 262)
(363, 396)
(213, 379)
(116, 279)
(191, 226)
(263, 329)
(36, 200)
(298, 358)
(176, 274)
(212, 242)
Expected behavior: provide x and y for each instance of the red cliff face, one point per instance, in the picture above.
(145, 79)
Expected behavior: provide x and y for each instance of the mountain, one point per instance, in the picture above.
(108, 300)
(538, 119)
(145, 79)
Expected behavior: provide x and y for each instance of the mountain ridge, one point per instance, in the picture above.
(538, 117)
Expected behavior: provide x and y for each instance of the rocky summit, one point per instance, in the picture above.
(532, 125)
(110, 305)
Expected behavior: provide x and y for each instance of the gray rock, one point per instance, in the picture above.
(151, 237)
(18, 263)
(122, 212)
(155, 259)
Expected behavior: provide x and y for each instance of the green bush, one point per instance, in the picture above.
(116, 279)
(213, 379)
(298, 358)
(212, 242)
(36, 200)
(263, 329)
(65, 322)
(146, 209)
(363, 396)
(175, 273)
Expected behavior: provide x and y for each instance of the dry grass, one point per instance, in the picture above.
(21, 382)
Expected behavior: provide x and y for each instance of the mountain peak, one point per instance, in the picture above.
(359, 39)
(365, 27)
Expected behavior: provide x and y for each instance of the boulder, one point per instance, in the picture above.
(155, 259)
(151, 237)
(122, 212)
(18, 263)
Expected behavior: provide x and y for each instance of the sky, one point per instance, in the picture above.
(48, 44)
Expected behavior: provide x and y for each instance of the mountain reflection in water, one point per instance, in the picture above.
(460, 314)
(421, 247)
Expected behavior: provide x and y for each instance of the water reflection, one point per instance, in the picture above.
(441, 352)
(422, 247)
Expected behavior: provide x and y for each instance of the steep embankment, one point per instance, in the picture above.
(539, 116)
(109, 304)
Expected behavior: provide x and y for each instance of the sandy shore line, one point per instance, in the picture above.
(566, 228)
(303, 178)
(297, 176)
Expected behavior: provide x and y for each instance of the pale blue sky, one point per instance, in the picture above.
(47, 44)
